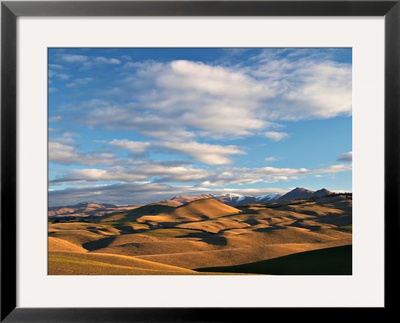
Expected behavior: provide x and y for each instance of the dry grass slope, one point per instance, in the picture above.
(163, 239)
(66, 263)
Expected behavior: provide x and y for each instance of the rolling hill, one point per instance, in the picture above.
(206, 236)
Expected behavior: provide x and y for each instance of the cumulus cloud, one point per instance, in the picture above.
(139, 193)
(120, 194)
(70, 58)
(248, 176)
(55, 67)
(54, 119)
(94, 175)
(159, 172)
(63, 150)
(346, 157)
(184, 108)
(310, 84)
(80, 81)
(226, 101)
(271, 159)
(67, 155)
(134, 147)
(325, 91)
(213, 101)
(275, 135)
(206, 153)
(105, 60)
(136, 187)
(87, 61)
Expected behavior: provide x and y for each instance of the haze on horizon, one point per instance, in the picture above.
(140, 125)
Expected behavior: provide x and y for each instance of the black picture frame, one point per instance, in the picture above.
(11, 10)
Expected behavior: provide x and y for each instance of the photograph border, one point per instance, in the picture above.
(11, 10)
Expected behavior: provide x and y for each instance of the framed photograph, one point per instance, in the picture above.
(197, 160)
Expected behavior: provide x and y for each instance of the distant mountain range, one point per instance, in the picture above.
(237, 200)
(234, 200)
(81, 209)
(228, 198)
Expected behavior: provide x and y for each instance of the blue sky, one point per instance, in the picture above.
(140, 125)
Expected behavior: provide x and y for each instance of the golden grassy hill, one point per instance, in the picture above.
(190, 212)
(67, 263)
(214, 225)
(235, 256)
(201, 233)
(136, 245)
(203, 209)
(55, 244)
(76, 237)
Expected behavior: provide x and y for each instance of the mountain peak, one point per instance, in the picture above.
(303, 193)
(322, 192)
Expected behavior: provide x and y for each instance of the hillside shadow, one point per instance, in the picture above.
(270, 229)
(301, 224)
(327, 261)
(337, 219)
(216, 240)
(207, 237)
(98, 244)
(150, 209)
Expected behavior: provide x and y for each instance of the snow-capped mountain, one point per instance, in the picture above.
(236, 200)
(228, 198)
(184, 199)
(233, 199)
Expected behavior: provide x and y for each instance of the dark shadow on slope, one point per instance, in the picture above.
(207, 237)
(328, 261)
(216, 240)
(98, 244)
(251, 221)
(339, 220)
(301, 224)
(270, 229)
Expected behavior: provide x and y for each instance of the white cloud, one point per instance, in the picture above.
(213, 80)
(135, 147)
(176, 174)
(112, 61)
(54, 119)
(70, 58)
(206, 153)
(121, 194)
(335, 169)
(248, 176)
(276, 136)
(138, 171)
(64, 151)
(271, 159)
(93, 174)
(325, 91)
(139, 193)
(151, 177)
(80, 81)
(309, 82)
(226, 101)
(56, 66)
(187, 96)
